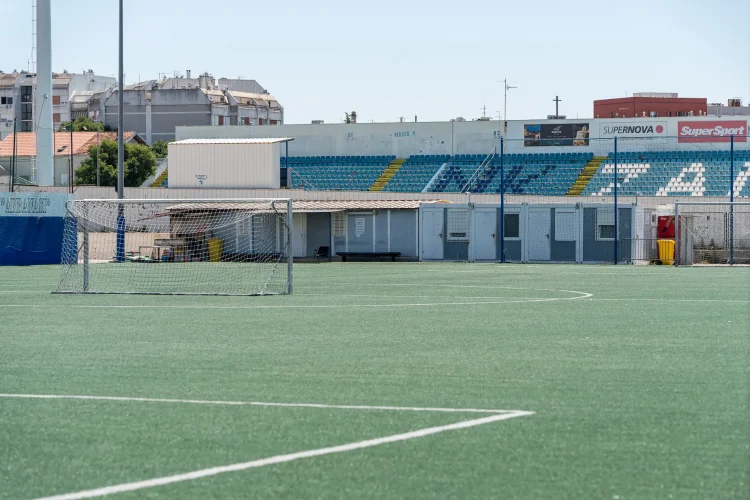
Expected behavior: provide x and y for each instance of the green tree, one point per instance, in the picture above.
(160, 149)
(82, 124)
(140, 163)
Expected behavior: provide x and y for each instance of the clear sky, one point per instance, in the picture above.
(390, 58)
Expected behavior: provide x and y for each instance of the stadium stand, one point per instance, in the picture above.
(647, 173)
(672, 173)
(538, 174)
(415, 173)
(330, 173)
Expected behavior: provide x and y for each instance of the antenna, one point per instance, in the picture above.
(32, 65)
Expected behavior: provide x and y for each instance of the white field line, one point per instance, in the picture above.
(251, 403)
(298, 306)
(278, 459)
(319, 296)
(581, 295)
(660, 299)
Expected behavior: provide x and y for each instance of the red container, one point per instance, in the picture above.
(665, 227)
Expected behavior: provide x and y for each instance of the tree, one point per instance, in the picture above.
(82, 124)
(160, 149)
(140, 164)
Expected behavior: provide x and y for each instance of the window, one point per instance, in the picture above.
(339, 224)
(6, 100)
(458, 224)
(56, 117)
(55, 100)
(512, 226)
(260, 121)
(221, 120)
(605, 224)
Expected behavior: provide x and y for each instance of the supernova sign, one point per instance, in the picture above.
(712, 131)
(633, 130)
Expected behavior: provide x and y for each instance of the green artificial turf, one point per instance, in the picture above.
(640, 390)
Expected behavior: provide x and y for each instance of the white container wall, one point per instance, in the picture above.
(241, 164)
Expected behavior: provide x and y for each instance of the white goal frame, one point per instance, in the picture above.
(684, 244)
(78, 263)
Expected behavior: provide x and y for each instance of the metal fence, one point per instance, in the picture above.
(658, 170)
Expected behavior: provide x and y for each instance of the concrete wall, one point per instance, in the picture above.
(405, 139)
(25, 167)
(156, 118)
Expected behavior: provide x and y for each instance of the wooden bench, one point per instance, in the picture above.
(392, 255)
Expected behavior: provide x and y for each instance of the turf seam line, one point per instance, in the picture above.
(254, 403)
(213, 471)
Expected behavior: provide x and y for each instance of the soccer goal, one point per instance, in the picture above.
(712, 233)
(178, 247)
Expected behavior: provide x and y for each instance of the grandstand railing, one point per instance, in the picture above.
(437, 175)
(480, 170)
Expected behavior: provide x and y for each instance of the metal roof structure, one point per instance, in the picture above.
(308, 206)
(269, 140)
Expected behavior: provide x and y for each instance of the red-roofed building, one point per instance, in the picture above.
(25, 150)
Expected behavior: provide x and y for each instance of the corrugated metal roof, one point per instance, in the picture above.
(314, 206)
(269, 140)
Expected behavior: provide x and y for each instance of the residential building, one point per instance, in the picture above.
(154, 108)
(70, 95)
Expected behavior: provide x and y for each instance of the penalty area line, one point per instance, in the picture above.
(278, 459)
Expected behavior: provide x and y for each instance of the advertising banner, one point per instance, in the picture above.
(633, 130)
(31, 204)
(712, 131)
(556, 134)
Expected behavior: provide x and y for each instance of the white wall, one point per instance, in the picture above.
(230, 165)
(405, 139)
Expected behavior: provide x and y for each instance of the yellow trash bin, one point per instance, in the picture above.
(666, 252)
(215, 249)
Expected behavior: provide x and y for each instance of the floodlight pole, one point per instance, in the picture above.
(120, 120)
(120, 257)
(615, 214)
(505, 99)
(290, 245)
(731, 200)
(502, 200)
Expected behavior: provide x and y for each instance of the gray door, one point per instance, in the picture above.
(537, 234)
(299, 241)
(432, 235)
(484, 237)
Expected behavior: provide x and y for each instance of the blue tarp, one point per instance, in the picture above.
(26, 241)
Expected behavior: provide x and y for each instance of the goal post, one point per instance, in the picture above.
(712, 233)
(178, 247)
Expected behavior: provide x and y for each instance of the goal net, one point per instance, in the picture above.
(205, 247)
(713, 233)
